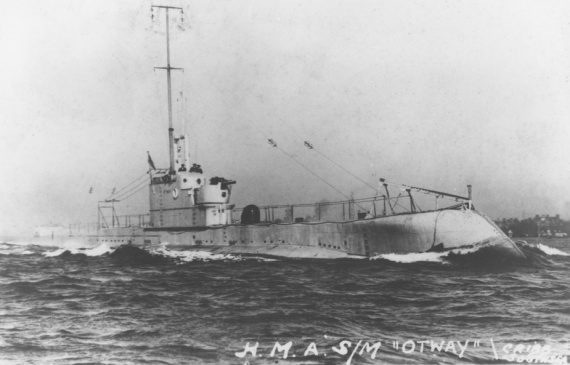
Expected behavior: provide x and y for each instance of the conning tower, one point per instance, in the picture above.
(188, 198)
(180, 196)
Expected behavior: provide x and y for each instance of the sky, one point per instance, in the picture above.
(438, 94)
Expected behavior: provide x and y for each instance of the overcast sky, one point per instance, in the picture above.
(438, 94)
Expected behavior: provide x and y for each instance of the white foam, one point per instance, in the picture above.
(465, 251)
(189, 256)
(55, 253)
(551, 250)
(413, 257)
(424, 256)
(182, 256)
(95, 251)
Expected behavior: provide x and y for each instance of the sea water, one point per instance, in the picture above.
(69, 305)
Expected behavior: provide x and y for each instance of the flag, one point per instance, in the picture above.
(90, 190)
(151, 164)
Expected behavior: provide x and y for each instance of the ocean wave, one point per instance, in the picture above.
(163, 254)
(11, 249)
(184, 256)
(100, 250)
(106, 279)
(551, 250)
(54, 253)
(407, 258)
(133, 253)
(440, 257)
(194, 255)
(542, 248)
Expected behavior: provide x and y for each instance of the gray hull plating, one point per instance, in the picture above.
(403, 233)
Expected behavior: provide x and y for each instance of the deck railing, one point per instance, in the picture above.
(340, 211)
(115, 221)
(337, 211)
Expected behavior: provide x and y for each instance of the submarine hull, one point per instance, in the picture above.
(400, 234)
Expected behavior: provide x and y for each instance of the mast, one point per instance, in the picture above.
(168, 69)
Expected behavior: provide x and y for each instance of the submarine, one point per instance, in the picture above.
(190, 210)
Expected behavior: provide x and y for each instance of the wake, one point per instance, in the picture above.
(479, 253)
(534, 251)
